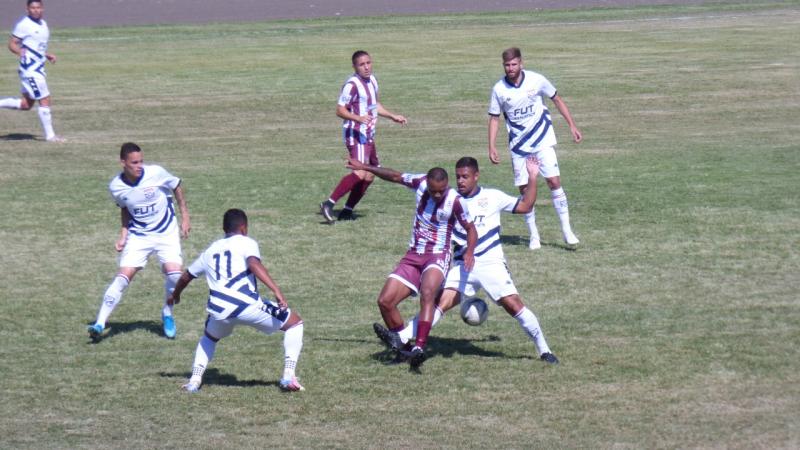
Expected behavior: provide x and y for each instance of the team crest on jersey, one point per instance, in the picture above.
(532, 95)
(483, 203)
(441, 216)
(149, 193)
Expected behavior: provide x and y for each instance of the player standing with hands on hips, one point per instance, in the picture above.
(29, 42)
(519, 97)
(359, 108)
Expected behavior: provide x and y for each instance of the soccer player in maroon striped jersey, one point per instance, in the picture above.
(359, 108)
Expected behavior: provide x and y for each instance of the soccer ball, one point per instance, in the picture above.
(474, 311)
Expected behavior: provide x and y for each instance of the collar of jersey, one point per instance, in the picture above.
(135, 183)
(512, 85)
(475, 194)
(37, 21)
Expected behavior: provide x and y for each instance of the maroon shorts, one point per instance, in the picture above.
(410, 269)
(365, 153)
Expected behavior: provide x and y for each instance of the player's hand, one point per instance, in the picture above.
(366, 119)
(355, 164)
(173, 299)
(493, 157)
(577, 137)
(186, 227)
(400, 119)
(469, 261)
(51, 57)
(281, 301)
(533, 165)
(120, 244)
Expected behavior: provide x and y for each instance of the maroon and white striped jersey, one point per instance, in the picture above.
(360, 97)
(434, 221)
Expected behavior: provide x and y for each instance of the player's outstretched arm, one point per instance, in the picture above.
(562, 108)
(186, 224)
(525, 205)
(175, 297)
(258, 269)
(381, 172)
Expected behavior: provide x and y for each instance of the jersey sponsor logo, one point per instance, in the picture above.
(145, 210)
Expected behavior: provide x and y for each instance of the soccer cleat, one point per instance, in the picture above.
(169, 326)
(346, 214)
(191, 386)
(534, 244)
(57, 139)
(390, 338)
(549, 358)
(95, 332)
(415, 357)
(291, 385)
(570, 238)
(326, 209)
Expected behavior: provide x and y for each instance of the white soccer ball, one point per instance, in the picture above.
(474, 311)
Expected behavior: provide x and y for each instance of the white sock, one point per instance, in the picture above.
(530, 219)
(530, 324)
(202, 356)
(47, 122)
(410, 331)
(11, 103)
(562, 209)
(292, 344)
(111, 298)
(170, 280)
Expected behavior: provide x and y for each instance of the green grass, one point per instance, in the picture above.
(676, 320)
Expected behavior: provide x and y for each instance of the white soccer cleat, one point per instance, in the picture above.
(57, 139)
(191, 387)
(570, 238)
(291, 385)
(534, 244)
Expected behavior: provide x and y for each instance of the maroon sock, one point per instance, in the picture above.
(357, 193)
(345, 185)
(423, 330)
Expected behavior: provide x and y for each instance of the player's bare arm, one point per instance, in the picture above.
(494, 124)
(383, 112)
(472, 241)
(577, 137)
(258, 269)
(381, 172)
(186, 224)
(175, 296)
(343, 113)
(15, 46)
(124, 218)
(525, 205)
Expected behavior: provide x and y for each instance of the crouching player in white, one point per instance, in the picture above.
(148, 226)
(490, 271)
(231, 266)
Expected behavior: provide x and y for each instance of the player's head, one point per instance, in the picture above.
(35, 9)
(437, 183)
(234, 222)
(362, 63)
(512, 62)
(467, 175)
(130, 156)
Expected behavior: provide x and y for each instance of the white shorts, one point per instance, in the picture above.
(255, 315)
(492, 276)
(34, 86)
(138, 248)
(548, 165)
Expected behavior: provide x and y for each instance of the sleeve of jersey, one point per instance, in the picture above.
(197, 268)
(505, 202)
(413, 180)
(19, 30)
(251, 249)
(346, 96)
(462, 213)
(167, 179)
(547, 88)
(494, 104)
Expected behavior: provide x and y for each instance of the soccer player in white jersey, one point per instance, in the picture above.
(490, 272)
(519, 97)
(359, 109)
(143, 193)
(231, 266)
(422, 269)
(29, 42)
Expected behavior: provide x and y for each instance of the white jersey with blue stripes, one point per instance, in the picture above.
(34, 35)
(527, 118)
(231, 285)
(485, 207)
(148, 200)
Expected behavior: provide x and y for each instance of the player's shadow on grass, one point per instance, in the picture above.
(524, 240)
(446, 348)
(214, 377)
(354, 216)
(17, 137)
(115, 328)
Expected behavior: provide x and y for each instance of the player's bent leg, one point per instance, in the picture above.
(292, 345)
(172, 273)
(203, 355)
(111, 298)
(530, 325)
(393, 292)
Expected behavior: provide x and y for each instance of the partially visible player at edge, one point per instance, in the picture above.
(359, 108)
(518, 96)
(422, 269)
(29, 42)
(231, 266)
(490, 272)
(148, 226)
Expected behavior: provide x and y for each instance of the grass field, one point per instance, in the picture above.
(677, 320)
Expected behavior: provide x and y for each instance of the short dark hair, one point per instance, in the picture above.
(33, 1)
(128, 148)
(511, 53)
(358, 54)
(437, 174)
(233, 219)
(467, 161)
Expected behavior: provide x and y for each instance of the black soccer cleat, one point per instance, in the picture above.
(415, 357)
(326, 209)
(549, 358)
(346, 214)
(390, 338)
